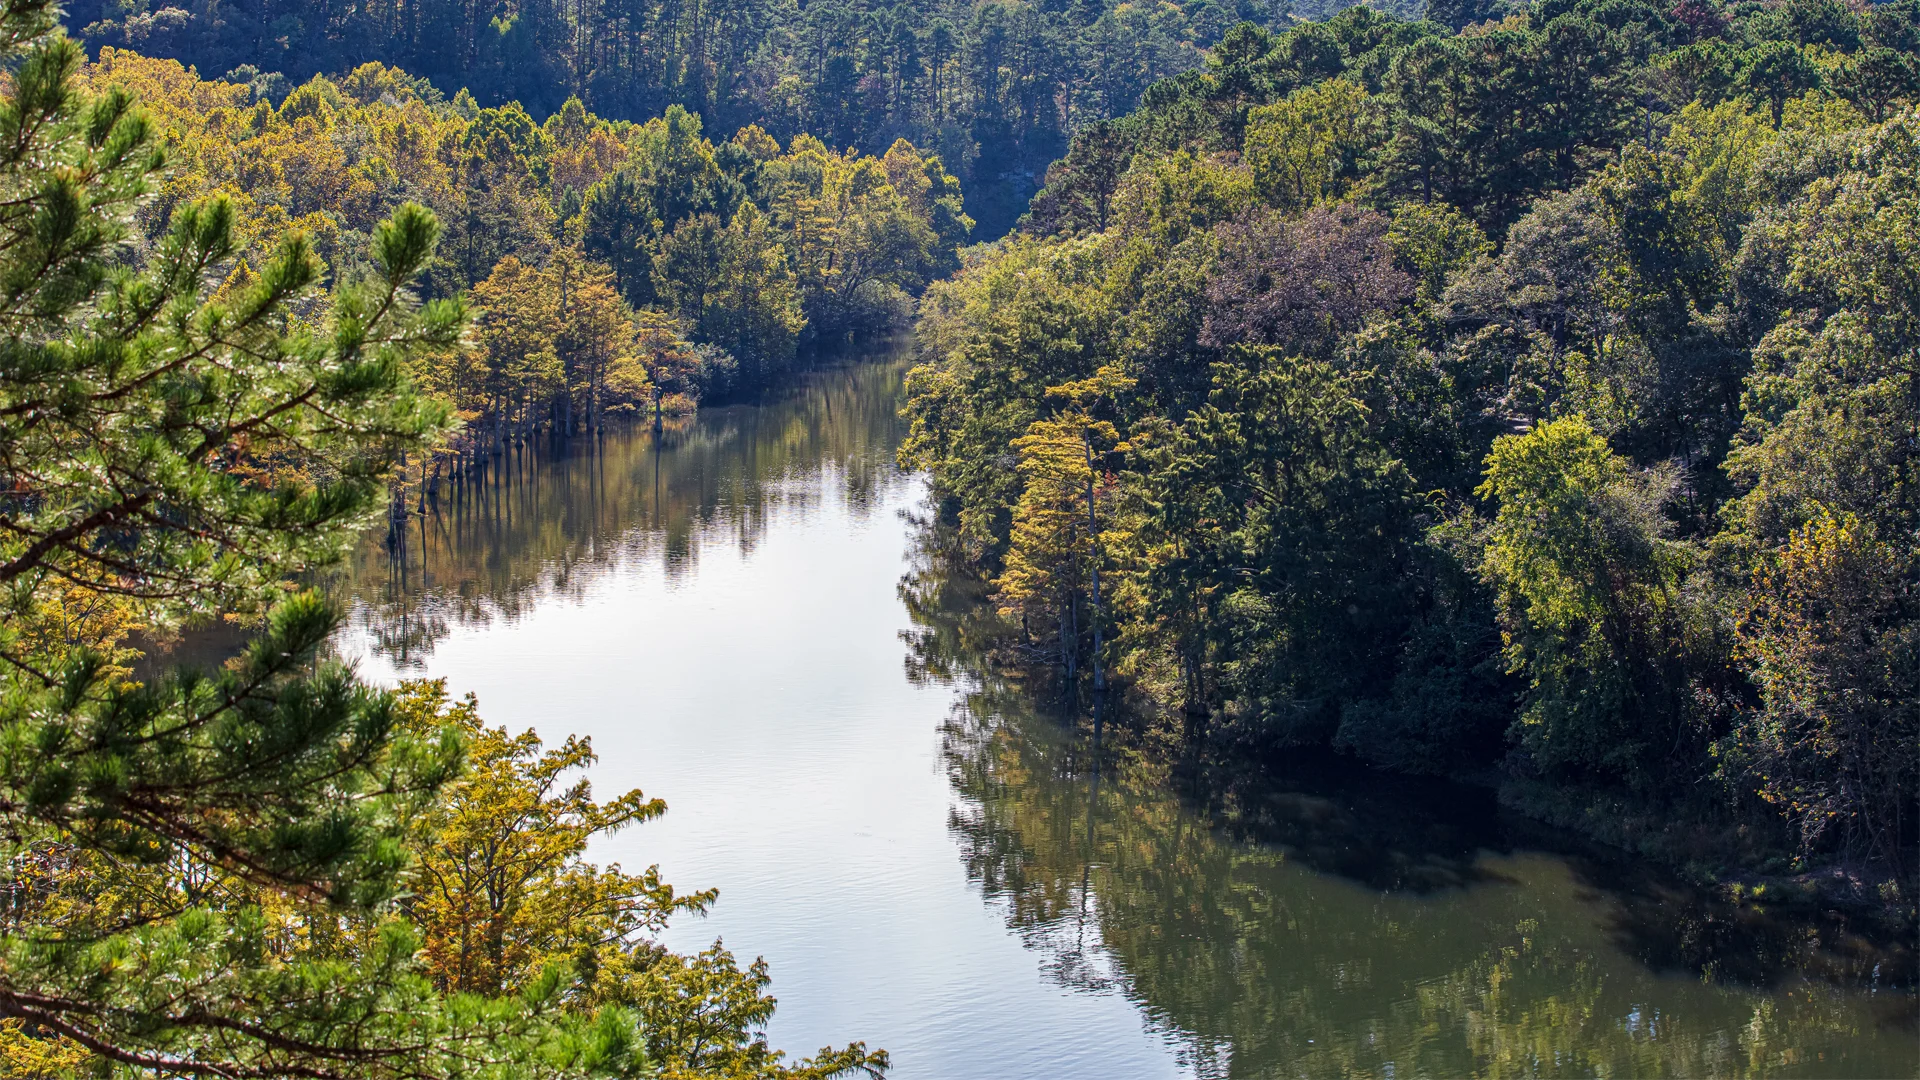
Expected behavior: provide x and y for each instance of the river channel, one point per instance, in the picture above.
(747, 617)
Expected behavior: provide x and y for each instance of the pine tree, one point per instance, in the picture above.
(198, 870)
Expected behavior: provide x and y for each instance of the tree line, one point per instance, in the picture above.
(610, 267)
(1534, 400)
(217, 351)
(994, 88)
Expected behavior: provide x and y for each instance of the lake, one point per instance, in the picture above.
(749, 615)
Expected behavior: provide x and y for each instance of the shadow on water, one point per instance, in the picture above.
(1313, 917)
(1386, 832)
(1407, 834)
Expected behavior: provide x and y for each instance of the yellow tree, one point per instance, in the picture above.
(26, 1054)
(853, 241)
(1056, 543)
(502, 888)
(1831, 740)
(334, 160)
(596, 337)
(516, 323)
(585, 149)
(505, 898)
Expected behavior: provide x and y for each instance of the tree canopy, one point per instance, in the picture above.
(1530, 397)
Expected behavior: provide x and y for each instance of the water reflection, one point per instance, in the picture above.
(1307, 918)
(1312, 918)
(552, 519)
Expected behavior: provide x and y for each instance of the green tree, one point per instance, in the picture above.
(1592, 597)
(1776, 73)
(1876, 78)
(497, 210)
(1303, 149)
(1829, 477)
(1431, 241)
(731, 283)
(618, 230)
(1031, 317)
(1274, 527)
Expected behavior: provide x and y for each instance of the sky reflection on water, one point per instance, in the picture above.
(922, 853)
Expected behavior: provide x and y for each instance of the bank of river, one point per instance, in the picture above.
(743, 616)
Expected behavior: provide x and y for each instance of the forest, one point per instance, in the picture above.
(995, 89)
(1517, 393)
(609, 267)
(1533, 402)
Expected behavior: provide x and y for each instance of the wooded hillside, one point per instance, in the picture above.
(1534, 401)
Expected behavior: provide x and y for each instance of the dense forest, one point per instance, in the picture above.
(608, 266)
(995, 88)
(1533, 402)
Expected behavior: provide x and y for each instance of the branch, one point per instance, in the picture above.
(99, 519)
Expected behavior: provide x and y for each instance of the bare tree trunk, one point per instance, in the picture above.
(1093, 538)
(1093, 613)
(1070, 640)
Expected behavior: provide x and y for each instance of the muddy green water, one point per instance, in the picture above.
(745, 616)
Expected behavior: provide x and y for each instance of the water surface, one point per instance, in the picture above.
(749, 618)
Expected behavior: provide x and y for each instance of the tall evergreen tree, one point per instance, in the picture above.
(182, 856)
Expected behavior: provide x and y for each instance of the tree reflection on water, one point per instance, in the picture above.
(552, 519)
(1313, 918)
(1306, 917)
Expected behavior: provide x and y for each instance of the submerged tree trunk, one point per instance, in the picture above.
(1093, 551)
(1070, 638)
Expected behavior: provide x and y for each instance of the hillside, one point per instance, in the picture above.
(1532, 402)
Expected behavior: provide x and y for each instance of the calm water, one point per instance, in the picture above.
(745, 616)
